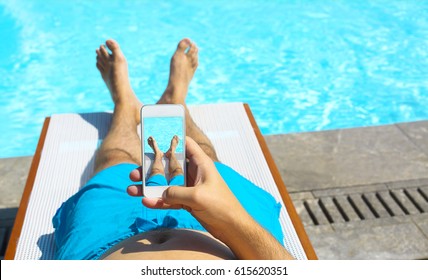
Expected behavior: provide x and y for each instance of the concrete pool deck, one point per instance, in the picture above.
(361, 193)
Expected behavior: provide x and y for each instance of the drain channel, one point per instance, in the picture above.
(372, 205)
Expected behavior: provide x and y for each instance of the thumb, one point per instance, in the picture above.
(194, 151)
(179, 196)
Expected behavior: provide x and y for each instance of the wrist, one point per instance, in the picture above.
(233, 226)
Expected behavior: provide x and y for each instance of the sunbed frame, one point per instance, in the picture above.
(296, 239)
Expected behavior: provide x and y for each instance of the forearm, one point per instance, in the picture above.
(248, 240)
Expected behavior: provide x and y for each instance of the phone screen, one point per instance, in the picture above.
(164, 155)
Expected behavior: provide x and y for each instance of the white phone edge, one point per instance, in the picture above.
(154, 191)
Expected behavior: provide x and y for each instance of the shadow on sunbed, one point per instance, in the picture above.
(41, 243)
(98, 123)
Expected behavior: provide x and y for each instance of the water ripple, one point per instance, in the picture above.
(301, 65)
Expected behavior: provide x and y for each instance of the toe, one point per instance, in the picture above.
(193, 55)
(104, 52)
(100, 61)
(99, 55)
(100, 67)
(114, 47)
(193, 49)
(184, 44)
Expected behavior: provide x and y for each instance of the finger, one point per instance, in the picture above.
(201, 167)
(179, 196)
(194, 152)
(136, 175)
(158, 203)
(135, 190)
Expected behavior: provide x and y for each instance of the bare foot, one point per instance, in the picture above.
(114, 71)
(182, 68)
(152, 143)
(174, 143)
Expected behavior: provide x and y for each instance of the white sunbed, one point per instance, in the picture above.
(64, 161)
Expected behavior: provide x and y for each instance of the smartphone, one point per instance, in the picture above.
(163, 145)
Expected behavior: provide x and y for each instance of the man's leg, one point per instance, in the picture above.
(182, 68)
(122, 143)
(157, 167)
(174, 166)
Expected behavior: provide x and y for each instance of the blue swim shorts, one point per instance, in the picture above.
(160, 180)
(102, 214)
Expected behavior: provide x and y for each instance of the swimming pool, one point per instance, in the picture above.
(301, 65)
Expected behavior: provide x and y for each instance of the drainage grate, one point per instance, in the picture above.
(363, 206)
(7, 218)
(4, 232)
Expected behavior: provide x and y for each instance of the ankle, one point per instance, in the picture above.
(174, 95)
(158, 156)
(128, 111)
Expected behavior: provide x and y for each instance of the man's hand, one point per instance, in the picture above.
(212, 203)
(206, 197)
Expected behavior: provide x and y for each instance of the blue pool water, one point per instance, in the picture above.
(163, 130)
(301, 65)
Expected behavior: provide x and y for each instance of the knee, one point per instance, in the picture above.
(155, 171)
(110, 157)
